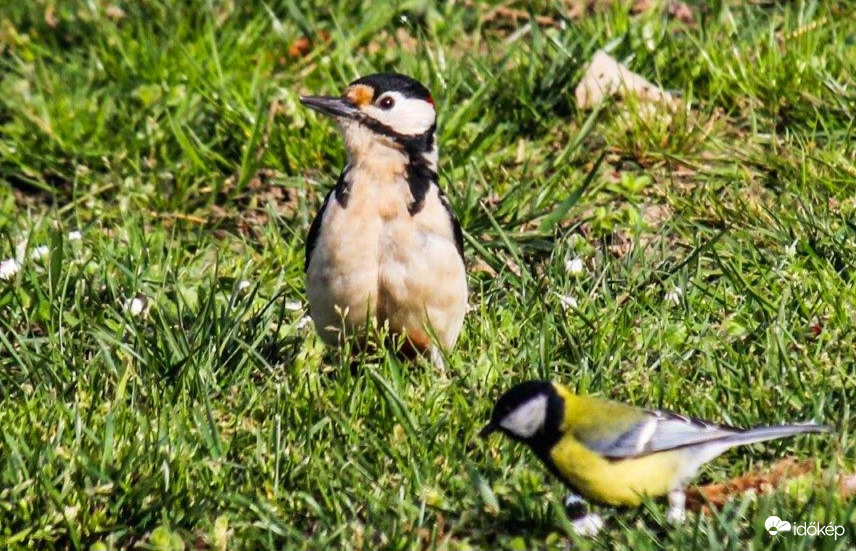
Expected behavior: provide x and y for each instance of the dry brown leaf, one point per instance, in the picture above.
(303, 45)
(621, 245)
(514, 16)
(640, 6)
(606, 77)
(676, 9)
(682, 12)
(847, 485)
(406, 41)
(579, 8)
(483, 267)
(491, 201)
(114, 12)
(576, 9)
(512, 265)
(299, 47)
(50, 17)
(700, 498)
(654, 215)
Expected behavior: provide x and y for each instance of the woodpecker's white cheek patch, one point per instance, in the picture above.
(409, 116)
(526, 420)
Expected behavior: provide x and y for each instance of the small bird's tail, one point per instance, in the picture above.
(761, 434)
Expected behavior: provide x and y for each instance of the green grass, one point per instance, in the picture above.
(172, 138)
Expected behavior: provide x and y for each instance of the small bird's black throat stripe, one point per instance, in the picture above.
(543, 441)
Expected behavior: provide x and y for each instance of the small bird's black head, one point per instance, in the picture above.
(530, 412)
(390, 105)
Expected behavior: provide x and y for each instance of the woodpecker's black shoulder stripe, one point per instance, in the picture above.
(343, 187)
(419, 178)
(341, 191)
(457, 232)
(420, 175)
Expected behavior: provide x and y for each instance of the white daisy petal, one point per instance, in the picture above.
(575, 266)
(137, 305)
(567, 301)
(39, 252)
(75, 235)
(293, 305)
(243, 284)
(674, 296)
(9, 268)
(304, 322)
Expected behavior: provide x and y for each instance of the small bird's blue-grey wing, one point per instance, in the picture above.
(659, 431)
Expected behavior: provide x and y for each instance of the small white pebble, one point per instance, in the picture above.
(674, 296)
(575, 266)
(243, 284)
(75, 235)
(293, 305)
(39, 252)
(304, 322)
(137, 305)
(567, 301)
(9, 268)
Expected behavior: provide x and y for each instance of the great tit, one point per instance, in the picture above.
(616, 454)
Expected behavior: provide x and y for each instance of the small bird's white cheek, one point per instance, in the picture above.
(527, 419)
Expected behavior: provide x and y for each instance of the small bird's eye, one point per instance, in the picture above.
(386, 103)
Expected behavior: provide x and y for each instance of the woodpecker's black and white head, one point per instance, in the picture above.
(383, 113)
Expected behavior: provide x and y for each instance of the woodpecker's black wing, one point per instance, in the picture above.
(314, 229)
(456, 226)
(340, 191)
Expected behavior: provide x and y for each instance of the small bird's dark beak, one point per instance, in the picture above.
(332, 106)
(487, 431)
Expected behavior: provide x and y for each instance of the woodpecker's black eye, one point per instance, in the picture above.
(386, 103)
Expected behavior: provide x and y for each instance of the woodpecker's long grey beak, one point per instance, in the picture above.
(331, 105)
(487, 431)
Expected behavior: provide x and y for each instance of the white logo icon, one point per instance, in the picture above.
(774, 525)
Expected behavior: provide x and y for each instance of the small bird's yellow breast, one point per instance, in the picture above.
(615, 482)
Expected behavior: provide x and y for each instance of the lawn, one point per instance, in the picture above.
(160, 387)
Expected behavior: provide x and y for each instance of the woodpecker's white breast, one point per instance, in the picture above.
(373, 258)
